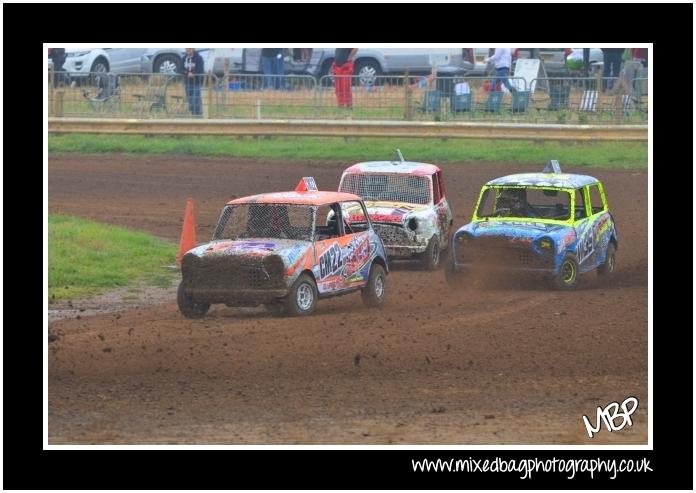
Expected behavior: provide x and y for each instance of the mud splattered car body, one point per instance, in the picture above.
(274, 249)
(549, 222)
(407, 205)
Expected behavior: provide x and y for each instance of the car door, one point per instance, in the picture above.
(602, 223)
(585, 251)
(357, 248)
(340, 253)
(125, 60)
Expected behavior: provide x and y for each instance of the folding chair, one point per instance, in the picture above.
(588, 101)
(520, 101)
(106, 95)
(431, 102)
(494, 102)
(461, 102)
(560, 96)
(155, 96)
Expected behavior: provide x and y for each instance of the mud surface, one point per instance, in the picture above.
(507, 361)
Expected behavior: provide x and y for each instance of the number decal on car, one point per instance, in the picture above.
(330, 262)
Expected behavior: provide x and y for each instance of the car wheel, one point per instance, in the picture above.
(99, 68)
(454, 278)
(302, 298)
(367, 72)
(430, 258)
(606, 270)
(374, 291)
(567, 276)
(188, 307)
(167, 64)
(275, 309)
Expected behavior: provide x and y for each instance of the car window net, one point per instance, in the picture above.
(389, 187)
(265, 221)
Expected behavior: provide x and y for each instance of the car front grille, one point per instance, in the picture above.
(502, 252)
(234, 273)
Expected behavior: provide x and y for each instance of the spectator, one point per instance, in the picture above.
(58, 58)
(640, 55)
(502, 61)
(343, 70)
(612, 66)
(192, 67)
(272, 67)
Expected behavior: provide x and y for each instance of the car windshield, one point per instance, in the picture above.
(282, 221)
(525, 202)
(389, 187)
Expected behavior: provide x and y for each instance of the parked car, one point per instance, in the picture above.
(273, 249)
(551, 223)
(406, 204)
(81, 62)
(369, 62)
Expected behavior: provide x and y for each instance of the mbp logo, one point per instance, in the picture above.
(609, 415)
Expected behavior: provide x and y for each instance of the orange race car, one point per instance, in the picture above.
(285, 250)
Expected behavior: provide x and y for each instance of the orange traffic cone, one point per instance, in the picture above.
(188, 232)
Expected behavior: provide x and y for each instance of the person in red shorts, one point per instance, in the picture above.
(343, 70)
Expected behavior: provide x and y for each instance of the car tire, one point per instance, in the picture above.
(374, 291)
(367, 72)
(166, 64)
(567, 276)
(453, 277)
(188, 307)
(302, 298)
(430, 258)
(275, 309)
(606, 270)
(99, 68)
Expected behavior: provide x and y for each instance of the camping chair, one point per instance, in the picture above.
(155, 96)
(105, 96)
(461, 102)
(520, 101)
(431, 102)
(588, 101)
(494, 102)
(560, 96)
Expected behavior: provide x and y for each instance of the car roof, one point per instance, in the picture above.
(296, 198)
(560, 180)
(408, 167)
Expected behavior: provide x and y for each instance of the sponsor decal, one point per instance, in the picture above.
(331, 261)
(359, 255)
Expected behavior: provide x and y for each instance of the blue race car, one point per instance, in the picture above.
(549, 222)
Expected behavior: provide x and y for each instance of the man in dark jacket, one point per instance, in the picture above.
(273, 68)
(612, 65)
(58, 58)
(192, 68)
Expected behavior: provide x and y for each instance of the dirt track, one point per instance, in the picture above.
(495, 364)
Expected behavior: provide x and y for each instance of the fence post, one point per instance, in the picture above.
(59, 103)
(51, 92)
(408, 98)
(209, 96)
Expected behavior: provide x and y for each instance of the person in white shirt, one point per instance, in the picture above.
(502, 61)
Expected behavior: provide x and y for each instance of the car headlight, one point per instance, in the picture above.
(546, 244)
(76, 53)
